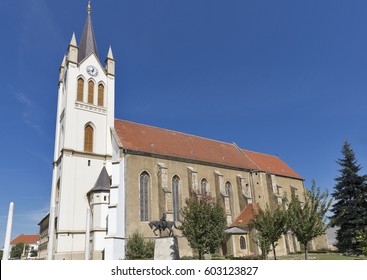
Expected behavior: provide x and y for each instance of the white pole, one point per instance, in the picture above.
(8, 232)
(87, 235)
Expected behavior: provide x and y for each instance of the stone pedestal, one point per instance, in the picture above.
(166, 248)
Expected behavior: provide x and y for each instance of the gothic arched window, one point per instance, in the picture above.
(144, 196)
(88, 138)
(80, 90)
(227, 189)
(176, 197)
(243, 243)
(203, 186)
(90, 92)
(228, 192)
(100, 94)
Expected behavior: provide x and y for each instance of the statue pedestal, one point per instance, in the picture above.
(166, 248)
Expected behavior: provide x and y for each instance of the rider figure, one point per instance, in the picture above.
(164, 221)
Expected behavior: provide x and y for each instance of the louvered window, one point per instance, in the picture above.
(80, 90)
(90, 92)
(100, 95)
(88, 139)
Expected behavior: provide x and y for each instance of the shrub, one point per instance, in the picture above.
(139, 249)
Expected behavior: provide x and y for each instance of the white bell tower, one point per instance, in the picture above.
(85, 116)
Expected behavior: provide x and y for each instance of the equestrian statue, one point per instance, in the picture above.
(162, 225)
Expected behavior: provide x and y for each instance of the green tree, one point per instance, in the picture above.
(139, 249)
(203, 223)
(270, 226)
(362, 241)
(307, 218)
(350, 207)
(1, 254)
(18, 250)
(264, 245)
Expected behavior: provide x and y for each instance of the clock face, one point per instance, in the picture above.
(91, 70)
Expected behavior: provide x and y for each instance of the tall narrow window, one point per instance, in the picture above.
(242, 243)
(176, 197)
(144, 201)
(228, 189)
(100, 94)
(228, 192)
(88, 139)
(203, 186)
(80, 90)
(90, 92)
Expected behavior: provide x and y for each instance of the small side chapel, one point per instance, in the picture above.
(112, 177)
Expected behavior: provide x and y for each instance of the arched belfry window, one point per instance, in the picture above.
(100, 95)
(90, 92)
(144, 196)
(176, 197)
(88, 138)
(243, 243)
(203, 186)
(80, 90)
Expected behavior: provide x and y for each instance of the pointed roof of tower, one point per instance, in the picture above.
(87, 42)
(110, 55)
(73, 40)
(103, 182)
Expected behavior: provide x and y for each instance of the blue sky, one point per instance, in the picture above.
(287, 78)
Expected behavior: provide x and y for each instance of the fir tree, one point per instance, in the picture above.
(350, 208)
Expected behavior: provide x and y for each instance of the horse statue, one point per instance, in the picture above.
(162, 226)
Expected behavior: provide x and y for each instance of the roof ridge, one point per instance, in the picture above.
(183, 133)
(262, 153)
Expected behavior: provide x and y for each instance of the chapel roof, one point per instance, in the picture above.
(158, 141)
(26, 238)
(245, 217)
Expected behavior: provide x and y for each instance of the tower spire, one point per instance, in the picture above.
(87, 42)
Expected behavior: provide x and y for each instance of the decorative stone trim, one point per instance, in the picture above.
(221, 185)
(245, 189)
(90, 108)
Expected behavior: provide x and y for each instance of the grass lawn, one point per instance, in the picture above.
(320, 256)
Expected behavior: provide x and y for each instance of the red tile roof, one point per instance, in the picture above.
(271, 164)
(144, 138)
(26, 238)
(245, 217)
(148, 139)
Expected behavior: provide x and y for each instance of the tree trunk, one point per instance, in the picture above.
(306, 256)
(200, 255)
(275, 255)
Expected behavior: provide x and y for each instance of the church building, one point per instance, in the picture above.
(112, 177)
